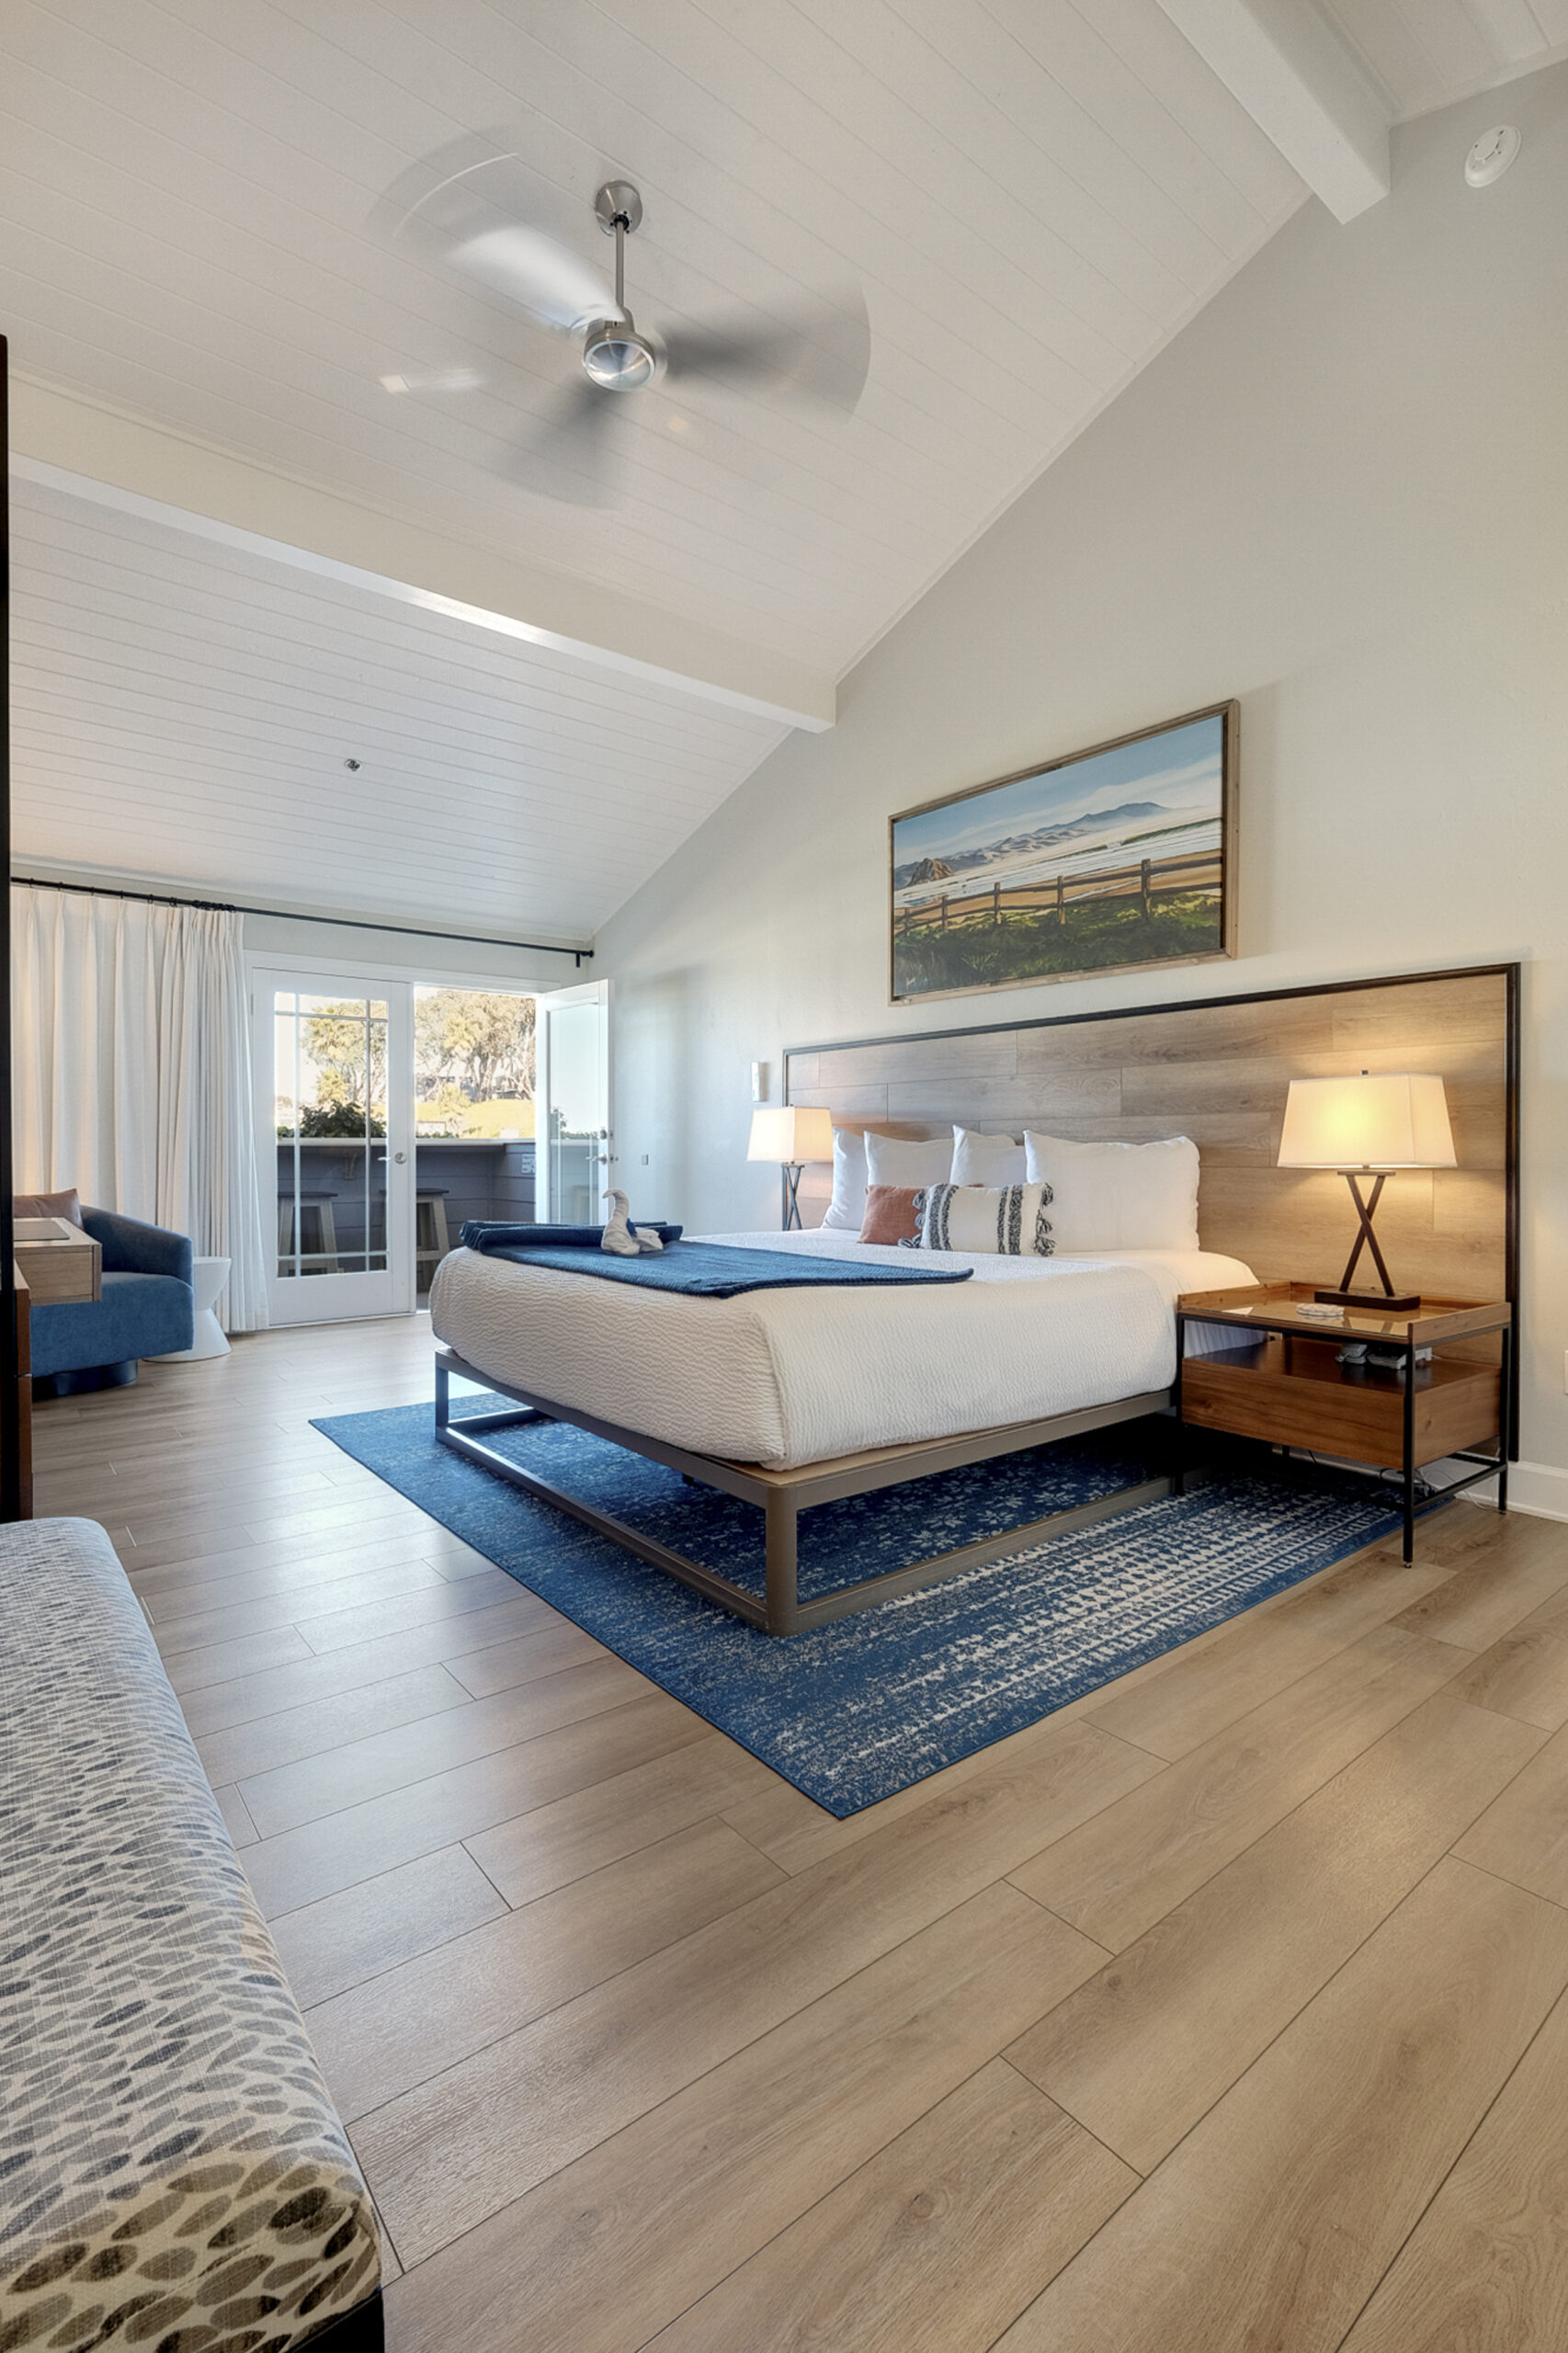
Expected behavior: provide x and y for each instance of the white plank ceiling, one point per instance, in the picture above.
(184, 710)
(1426, 53)
(1033, 196)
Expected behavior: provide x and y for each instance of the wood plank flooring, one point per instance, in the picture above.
(1227, 2008)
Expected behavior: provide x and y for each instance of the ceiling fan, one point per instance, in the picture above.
(472, 209)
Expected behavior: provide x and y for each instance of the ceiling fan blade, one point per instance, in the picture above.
(544, 279)
(696, 433)
(823, 352)
(575, 455)
(420, 380)
(473, 207)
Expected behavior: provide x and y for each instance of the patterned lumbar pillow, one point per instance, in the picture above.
(1010, 1221)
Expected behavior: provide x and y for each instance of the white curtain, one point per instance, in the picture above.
(131, 1053)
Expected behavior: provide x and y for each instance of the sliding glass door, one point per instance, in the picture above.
(336, 1115)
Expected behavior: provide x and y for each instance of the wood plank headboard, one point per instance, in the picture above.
(1218, 1070)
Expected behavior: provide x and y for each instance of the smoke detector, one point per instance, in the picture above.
(1492, 154)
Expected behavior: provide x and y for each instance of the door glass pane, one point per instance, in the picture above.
(331, 1090)
(577, 1113)
(473, 1114)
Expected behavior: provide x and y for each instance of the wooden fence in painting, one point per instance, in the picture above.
(1200, 870)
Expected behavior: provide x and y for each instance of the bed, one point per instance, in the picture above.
(766, 1397)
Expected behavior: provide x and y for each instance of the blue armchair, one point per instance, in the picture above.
(148, 1310)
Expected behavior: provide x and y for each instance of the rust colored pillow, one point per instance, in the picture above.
(64, 1205)
(890, 1214)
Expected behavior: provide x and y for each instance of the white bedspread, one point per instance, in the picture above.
(785, 1376)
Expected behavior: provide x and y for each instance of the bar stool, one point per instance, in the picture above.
(431, 1240)
(317, 1206)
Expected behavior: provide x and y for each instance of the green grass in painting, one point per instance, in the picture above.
(1029, 948)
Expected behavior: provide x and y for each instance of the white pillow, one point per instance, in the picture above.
(986, 1160)
(846, 1210)
(1118, 1196)
(1009, 1221)
(895, 1160)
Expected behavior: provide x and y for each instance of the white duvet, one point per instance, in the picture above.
(785, 1376)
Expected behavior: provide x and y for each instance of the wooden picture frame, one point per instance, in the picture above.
(1043, 896)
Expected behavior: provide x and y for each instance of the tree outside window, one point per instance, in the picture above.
(474, 1062)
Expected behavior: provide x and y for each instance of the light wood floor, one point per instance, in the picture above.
(1224, 2010)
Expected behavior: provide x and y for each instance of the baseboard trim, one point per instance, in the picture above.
(1537, 1488)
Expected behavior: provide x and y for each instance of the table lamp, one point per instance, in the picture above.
(790, 1135)
(1367, 1127)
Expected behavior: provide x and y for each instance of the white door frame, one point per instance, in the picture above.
(545, 1002)
(339, 1298)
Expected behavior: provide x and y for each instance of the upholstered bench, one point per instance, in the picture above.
(172, 2176)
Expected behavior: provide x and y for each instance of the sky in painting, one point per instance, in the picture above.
(1180, 769)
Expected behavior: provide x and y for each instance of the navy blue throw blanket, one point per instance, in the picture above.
(706, 1269)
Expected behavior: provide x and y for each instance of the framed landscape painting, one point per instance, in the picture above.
(1105, 861)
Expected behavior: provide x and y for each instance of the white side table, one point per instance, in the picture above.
(208, 1277)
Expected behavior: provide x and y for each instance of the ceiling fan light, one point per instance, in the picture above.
(617, 357)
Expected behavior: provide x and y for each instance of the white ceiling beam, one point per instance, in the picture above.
(1304, 89)
(95, 453)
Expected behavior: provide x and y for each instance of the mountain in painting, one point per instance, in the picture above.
(1102, 820)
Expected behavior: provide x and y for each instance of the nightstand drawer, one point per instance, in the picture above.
(1294, 1393)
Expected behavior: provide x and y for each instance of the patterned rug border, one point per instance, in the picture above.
(792, 1703)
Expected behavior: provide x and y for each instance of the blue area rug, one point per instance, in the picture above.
(854, 1711)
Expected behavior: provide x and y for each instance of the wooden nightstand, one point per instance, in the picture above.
(1282, 1382)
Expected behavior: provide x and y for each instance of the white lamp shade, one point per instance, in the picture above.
(1366, 1123)
(790, 1134)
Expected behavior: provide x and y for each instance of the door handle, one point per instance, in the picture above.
(400, 1157)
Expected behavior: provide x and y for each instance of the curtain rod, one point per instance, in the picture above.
(292, 915)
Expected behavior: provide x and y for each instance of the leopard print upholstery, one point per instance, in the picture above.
(172, 2176)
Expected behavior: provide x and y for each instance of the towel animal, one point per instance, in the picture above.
(619, 1238)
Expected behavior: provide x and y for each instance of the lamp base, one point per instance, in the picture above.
(1371, 1303)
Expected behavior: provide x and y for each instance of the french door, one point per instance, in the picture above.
(575, 1155)
(335, 1116)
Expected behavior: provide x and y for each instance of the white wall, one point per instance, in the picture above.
(1342, 495)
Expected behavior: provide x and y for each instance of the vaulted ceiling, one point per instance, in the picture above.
(189, 709)
(1030, 197)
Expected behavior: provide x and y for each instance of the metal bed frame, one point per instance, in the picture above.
(784, 1495)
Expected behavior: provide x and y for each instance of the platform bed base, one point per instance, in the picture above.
(784, 1495)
